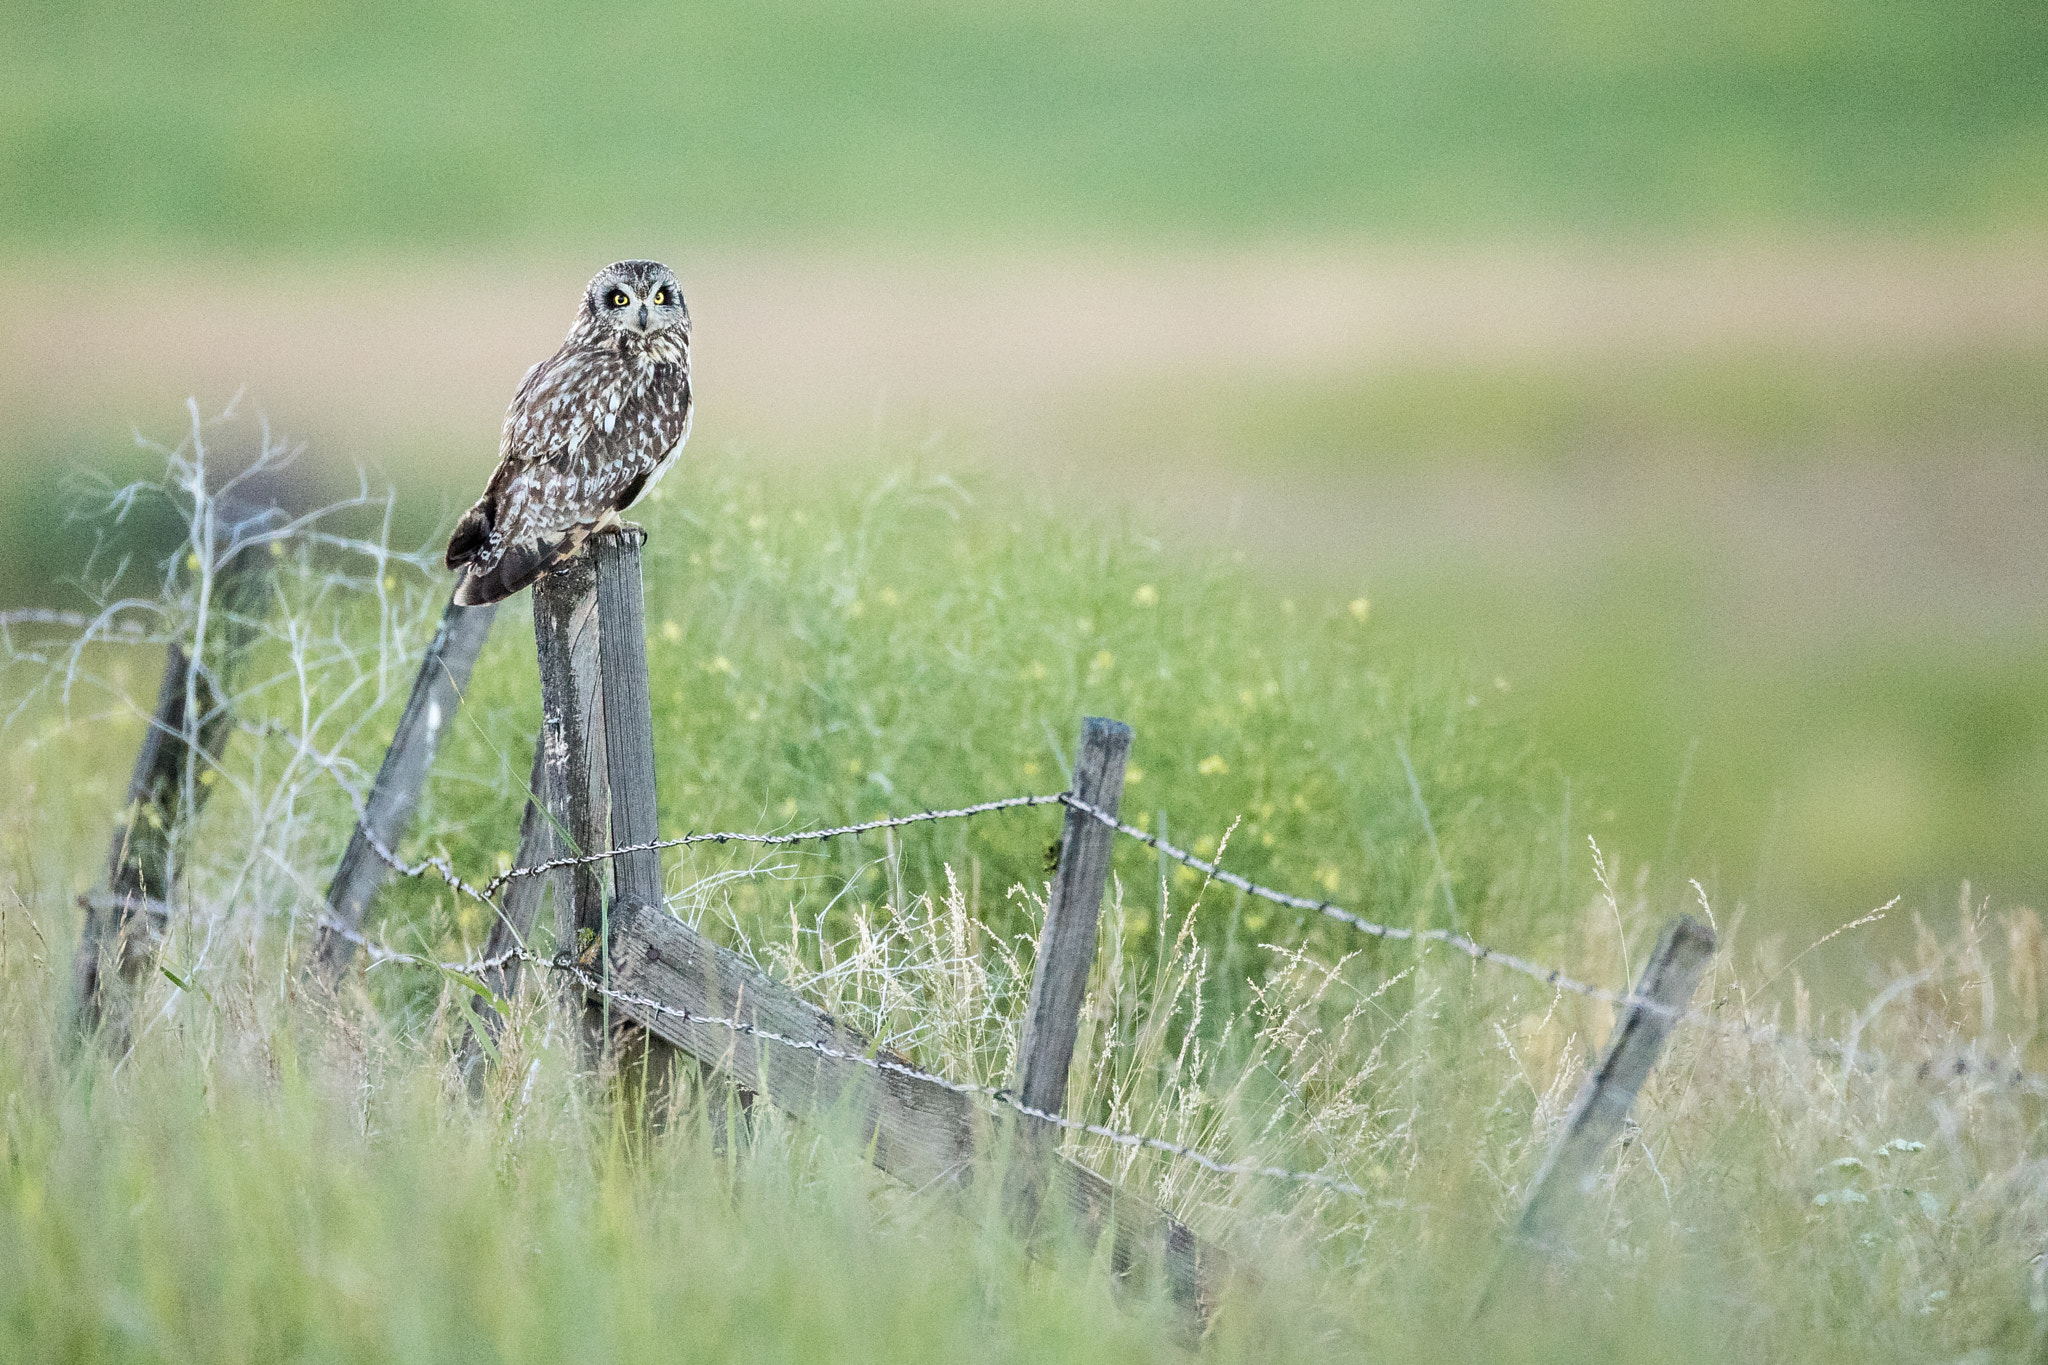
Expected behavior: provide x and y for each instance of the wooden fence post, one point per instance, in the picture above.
(1059, 976)
(1066, 945)
(429, 714)
(572, 745)
(628, 714)
(1571, 1167)
(188, 729)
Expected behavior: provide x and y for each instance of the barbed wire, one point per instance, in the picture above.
(2009, 1076)
(1549, 976)
(731, 837)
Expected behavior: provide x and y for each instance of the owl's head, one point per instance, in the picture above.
(636, 298)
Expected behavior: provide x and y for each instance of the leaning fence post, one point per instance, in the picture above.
(1066, 945)
(1571, 1167)
(429, 713)
(1059, 976)
(169, 786)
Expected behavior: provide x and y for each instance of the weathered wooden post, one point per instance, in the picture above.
(519, 903)
(576, 791)
(191, 723)
(1572, 1165)
(1059, 977)
(597, 742)
(628, 715)
(429, 714)
(1066, 945)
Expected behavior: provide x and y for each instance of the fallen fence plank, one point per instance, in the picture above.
(1572, 1166)
(1066, 945)
(187, 731)
(387, 813)
(921, 1133)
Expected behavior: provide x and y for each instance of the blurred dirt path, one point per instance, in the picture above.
(790, 347)
(408, 366)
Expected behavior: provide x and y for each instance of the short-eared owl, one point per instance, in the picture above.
(590, 429)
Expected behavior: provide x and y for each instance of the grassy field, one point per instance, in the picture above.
(262, 128)
(261, 1178)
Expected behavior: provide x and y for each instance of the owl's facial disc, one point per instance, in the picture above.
(639, 297)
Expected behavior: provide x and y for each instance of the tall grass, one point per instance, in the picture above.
(264, 1178)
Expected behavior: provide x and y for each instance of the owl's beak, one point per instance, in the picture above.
(643, 318)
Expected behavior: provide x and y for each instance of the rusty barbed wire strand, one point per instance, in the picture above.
(1549, 976)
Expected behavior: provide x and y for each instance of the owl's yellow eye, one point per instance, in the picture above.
(617, 298)
(660, 297)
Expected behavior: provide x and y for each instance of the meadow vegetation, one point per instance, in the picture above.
(264, 1177)
(255, 127)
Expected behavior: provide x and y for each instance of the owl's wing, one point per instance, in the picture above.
(579, 444)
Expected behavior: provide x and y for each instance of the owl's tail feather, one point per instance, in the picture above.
(517, 567)
(522, 562)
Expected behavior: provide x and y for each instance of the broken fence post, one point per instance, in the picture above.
(1573, 1163)
(647, 1060)
(387, 813)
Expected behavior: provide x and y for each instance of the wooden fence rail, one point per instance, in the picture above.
(921, 1133)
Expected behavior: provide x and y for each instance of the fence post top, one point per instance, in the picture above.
(1104, 726)
(626, 532)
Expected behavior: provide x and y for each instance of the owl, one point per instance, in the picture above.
(590, 429)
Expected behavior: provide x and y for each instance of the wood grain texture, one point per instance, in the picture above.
(628, 713)
(921, 1133)
(1066, 945)
(429, 714)
(566, 637)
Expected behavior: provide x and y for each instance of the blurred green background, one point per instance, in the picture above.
(1680, 365)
